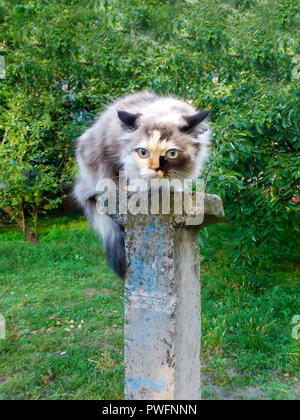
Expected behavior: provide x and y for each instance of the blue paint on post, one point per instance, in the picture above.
(143, 271)
(134, 384)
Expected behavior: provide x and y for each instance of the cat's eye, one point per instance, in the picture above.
(172, 153)
(143, 153)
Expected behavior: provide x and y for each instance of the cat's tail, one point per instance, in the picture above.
(111, 233)
(112, 236)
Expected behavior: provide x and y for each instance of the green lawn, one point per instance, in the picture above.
(64, 312)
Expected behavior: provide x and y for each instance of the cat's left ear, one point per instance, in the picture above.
(193, 121)
(128, 119)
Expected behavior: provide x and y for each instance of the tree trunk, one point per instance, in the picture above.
(25, 229)
(23, 222)
(36, 214)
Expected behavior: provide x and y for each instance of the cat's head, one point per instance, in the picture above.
(173, 147)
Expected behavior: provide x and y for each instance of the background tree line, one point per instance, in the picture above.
(67, 59)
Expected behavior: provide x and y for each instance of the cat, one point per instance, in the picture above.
(147, 136)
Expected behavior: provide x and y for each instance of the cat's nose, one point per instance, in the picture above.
(155, 168)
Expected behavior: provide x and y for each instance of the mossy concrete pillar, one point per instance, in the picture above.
(162, 301)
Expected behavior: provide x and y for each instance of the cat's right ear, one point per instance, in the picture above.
(129, 120)
(193, 121)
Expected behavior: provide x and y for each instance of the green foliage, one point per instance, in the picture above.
(259, 176)
(28, 165)
(67, 59)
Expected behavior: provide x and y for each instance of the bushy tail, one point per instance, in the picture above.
(114, 246)
(112, 236)
(110, 232)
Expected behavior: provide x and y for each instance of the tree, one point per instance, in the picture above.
(29, 176)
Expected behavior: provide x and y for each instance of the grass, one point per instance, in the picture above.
(247, 346)
(64, 312)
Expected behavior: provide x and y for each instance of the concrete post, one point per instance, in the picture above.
(162, 303)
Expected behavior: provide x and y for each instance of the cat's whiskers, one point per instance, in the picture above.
(177, 175)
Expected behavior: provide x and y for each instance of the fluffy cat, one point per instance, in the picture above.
(147, 136)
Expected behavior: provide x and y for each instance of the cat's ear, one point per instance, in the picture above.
(193, 121)
(129, 120)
